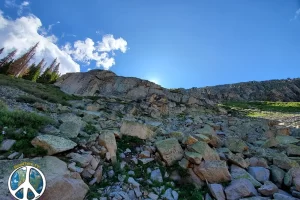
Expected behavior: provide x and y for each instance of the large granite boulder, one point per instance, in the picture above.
(53, 144)
(107, 139)
(170, 150)
(214, 171)
(142, 131)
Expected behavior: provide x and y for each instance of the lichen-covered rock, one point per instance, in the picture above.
(210, 133)
(70, 129)
(214, 171)
(170, 150)
(282, 161)
(204, 150)
(142, 131)
(53, 144)
(193, 157)
(236, 145)
(239, 173)
(237, 160)
(293, 150)
(285, 139)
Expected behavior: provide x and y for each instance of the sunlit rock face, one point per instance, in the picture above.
(107, 83)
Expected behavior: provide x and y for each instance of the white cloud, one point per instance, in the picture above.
(23, 33)
(109, 43)
(25, 3)
(297, 14)
(13, 4)
(86, 51)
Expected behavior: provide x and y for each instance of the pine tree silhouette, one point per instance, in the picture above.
(7, 58)
(20, 65)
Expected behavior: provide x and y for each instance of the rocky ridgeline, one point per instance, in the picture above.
(99, 82)
(131, 144)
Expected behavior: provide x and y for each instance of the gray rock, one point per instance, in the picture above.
(237, 160)
(133, 182)
(83, 159)
(240, 188)
(259, 173)
(50, 130)
(240, 173)
(236, 145)
(268, 189)
(53, 144)
(277, 175)
(70, 129)
(282, 161)
(153, 196)
(7, 144)
(278, 196)
(156, 176)
(13, 155)
(168, 194)
(217, 191)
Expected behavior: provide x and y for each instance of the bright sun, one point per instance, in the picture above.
(154, 81)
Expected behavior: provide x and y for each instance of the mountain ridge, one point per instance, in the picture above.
(101, 82)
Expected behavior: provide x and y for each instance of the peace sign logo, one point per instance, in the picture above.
(27, 183)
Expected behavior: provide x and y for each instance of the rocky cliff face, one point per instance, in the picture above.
(106, 83)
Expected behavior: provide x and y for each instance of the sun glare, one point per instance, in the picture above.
(154, 81)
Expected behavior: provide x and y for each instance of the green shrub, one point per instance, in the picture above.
(23, 127)
(188, 191)
(2, 105)
(89, 128)
(28, 99)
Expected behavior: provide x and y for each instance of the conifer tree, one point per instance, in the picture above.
(4, 68)
(25, 69)
(52, 65)
(55, 74)
(7, 58)
(18, 66)
(34, 71)
(1, 50)
(45, 77)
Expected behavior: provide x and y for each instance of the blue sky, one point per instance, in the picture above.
(176, 43)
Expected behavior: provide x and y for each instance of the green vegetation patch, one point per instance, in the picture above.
(23, 127)
(29, 99)
(189, 191)
(90, 129)
(47, 92)
(262, 109)
(129, 142)
(285, 107)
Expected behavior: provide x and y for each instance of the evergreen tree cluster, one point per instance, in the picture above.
(22, 68)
